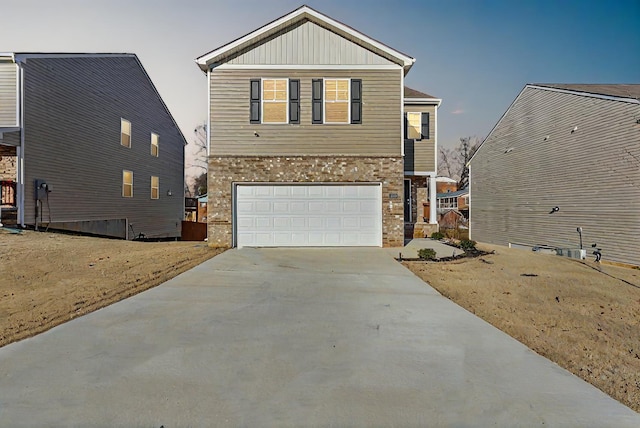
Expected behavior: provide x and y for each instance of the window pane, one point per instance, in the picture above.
(336, 112)
(413, 125)
(274, 112)
(127, 184)
(125, 133)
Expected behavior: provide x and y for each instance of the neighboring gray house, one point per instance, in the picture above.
(563, 156)
(88, 145)
(306, 137)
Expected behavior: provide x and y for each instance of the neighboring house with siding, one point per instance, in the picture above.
(89, 145)
(306, 136)
(571, 146)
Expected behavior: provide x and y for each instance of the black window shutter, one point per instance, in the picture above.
(406, 127)
(316, 110)
(254, 115)
(425, 126)
(356, 100)
(294, 101)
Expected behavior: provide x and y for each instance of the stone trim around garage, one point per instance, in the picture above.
(224, 171)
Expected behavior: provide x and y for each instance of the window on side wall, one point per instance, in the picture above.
(155, 140)
(127, 184)
(155, 187)
(125, 133)
(274, 100)
(417, 126)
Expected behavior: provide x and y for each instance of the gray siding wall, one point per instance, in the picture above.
(421, 155)
(8, 94)
(379, 133)
(308, 44)
(73, 108)
(592, 174)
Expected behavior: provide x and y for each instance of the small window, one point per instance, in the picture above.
(155, 139)
(275, 100)
(125, 133)
(155, 187)
(336, 101)
(414, 124)
(127, 184)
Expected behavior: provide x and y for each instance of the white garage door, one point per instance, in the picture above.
(308, 215)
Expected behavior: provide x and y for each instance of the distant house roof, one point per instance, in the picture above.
(445, 180)
(612, 90)
(300, 14)
(202, 198)
(462, 192)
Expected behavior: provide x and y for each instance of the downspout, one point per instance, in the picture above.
(208, 114)
(20, 150)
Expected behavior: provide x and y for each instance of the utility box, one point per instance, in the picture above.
(574, 253)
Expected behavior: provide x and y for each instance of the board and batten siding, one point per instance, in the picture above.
(73, 108)
(378, 135)
(308, 44)
(420, 155)
(532, 162)
(8, 94)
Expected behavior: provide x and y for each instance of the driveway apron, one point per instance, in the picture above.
(291, 337)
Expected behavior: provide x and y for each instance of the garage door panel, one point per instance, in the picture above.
(308, 215)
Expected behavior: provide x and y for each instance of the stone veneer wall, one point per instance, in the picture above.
(226, 170)
(7, 163)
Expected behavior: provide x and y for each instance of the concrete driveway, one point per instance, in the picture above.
(291, 337)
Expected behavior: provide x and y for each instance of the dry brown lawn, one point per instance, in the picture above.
(49, 278)
(582, 315)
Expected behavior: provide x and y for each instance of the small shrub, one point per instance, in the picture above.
(427, 254)
(467, 244)
(437, 235)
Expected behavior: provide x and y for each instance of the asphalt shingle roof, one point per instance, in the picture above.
(613, 90)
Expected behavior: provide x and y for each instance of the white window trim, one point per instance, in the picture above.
(122, 119)
(420, 114)
(157, 188)
(123, 183)
(324, 101)
(262, 101)
(157, 145)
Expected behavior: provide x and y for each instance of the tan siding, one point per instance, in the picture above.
(73, 108)
(8, 94)
(232, 134)
(308, 44)
(421, 155)
(592, 174)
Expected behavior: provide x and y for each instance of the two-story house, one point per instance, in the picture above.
(306, 137)
(88, 145)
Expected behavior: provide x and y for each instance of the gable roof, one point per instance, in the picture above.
(303, 13)
(618, 92)
(612, 90)
(24, 56)
(455, 194)
(413, 93)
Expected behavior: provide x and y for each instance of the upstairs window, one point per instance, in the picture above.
(127, 184)
(155, 139)
(125, 133)
(274, 101)
(155, 187)
(336, 101)
(416, 126)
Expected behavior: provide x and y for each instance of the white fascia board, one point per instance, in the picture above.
(7, 56)
(436, 101)
(420, 173)
(204, 61)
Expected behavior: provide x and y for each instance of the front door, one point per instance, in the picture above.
(407, 200)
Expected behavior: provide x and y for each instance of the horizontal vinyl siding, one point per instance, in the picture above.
(421, 155)
(8, 94)
(308, 44)
(72, 140)
(232, 134)
(593, 175)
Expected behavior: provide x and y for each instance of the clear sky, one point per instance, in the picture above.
(474, 54)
